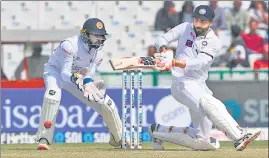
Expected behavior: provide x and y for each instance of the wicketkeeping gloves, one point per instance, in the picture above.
(95, 91)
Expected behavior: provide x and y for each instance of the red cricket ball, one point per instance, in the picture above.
(47, 124)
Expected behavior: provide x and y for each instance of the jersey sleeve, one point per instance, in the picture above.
(172, 35)
(66, 54)
(208, 50)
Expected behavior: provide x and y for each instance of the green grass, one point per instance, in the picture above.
(258, 149)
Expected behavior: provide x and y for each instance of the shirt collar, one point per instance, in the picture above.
(192, 26)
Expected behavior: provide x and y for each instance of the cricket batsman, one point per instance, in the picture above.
(71, 67)
(197, 47)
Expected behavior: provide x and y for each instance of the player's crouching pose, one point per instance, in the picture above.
(197, 47)
(71, 67)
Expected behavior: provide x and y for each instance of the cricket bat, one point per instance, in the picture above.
(133, 63)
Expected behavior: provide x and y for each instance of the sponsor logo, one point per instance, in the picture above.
(192, 35)
(63, 137)
(52, 92)
(93, 137)
(23, 114)
(252, 113)
(233, 108)
(21, 118)
(189, 43)
(169, 112)
(256, 111)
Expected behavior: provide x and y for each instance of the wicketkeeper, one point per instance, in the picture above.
(71, 67)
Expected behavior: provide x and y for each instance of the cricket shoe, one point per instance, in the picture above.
(43, 144)
(243, 142)
(156, 143)
(113, 142)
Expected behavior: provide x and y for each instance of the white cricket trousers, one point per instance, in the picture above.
(53, 81)
(52, 78)
(188, 92)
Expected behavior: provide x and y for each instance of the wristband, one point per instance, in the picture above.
(87, 80)
(74, 77)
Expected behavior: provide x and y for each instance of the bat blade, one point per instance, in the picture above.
(132, 63)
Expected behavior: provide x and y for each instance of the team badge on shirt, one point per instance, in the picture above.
(189, 43)
(204, 43)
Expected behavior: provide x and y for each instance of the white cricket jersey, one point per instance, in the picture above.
(73, 54)
(198, 52)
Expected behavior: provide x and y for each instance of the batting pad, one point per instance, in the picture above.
(219, 116)
(111, 118)
(49, 112)
(185, 140)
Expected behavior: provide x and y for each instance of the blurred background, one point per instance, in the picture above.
(30, 31)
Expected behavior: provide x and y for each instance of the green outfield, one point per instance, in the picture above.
(257, 149)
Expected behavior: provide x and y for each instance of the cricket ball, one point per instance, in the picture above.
(47, 124)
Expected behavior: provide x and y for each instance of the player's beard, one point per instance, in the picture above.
(200, 31)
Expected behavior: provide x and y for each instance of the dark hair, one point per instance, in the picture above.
(187, 3)
(167, 5)
(235, 30)
(253, 5)
(152, 46)
(37, 47)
